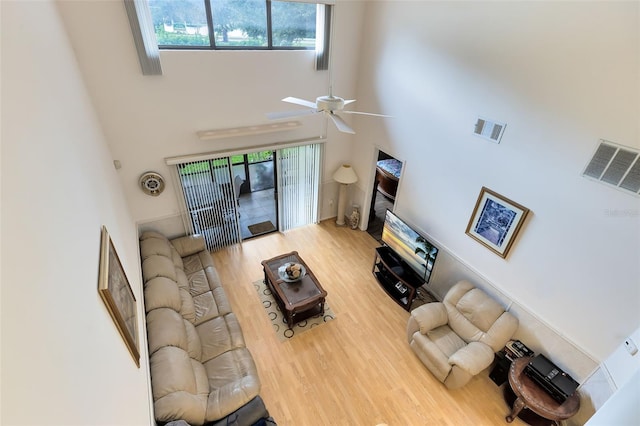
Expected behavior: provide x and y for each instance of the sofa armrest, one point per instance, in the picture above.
(189, 244)
(473, 358)
(430, 316)
(248, 414)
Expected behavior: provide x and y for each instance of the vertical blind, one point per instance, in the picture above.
(210, 201)
(144, 36)
(324, 24)
(298, 185)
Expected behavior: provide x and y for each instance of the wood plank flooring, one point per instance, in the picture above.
(357, 369)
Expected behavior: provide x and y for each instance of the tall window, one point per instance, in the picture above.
(235, 24)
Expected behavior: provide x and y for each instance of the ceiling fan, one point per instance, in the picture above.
(329, 105)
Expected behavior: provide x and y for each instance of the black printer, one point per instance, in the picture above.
(551, 378)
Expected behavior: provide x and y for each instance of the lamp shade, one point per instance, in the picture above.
(345, 174)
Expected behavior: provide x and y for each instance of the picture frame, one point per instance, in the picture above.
(115, 291)
(496, 221)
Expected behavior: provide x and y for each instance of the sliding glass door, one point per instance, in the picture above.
(211, 191)
(298, 181)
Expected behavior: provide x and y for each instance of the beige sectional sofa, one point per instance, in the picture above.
(201, 370)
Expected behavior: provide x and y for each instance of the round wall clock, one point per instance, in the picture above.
(152, 183)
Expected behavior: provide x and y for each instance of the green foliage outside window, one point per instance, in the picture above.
(176, 39)
(236, 23)
(257, 157)
(205, 166)
(199, 167)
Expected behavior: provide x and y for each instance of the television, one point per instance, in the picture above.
(409, 245)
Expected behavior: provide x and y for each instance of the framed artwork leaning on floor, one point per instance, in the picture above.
(117, 295)
(495, 221)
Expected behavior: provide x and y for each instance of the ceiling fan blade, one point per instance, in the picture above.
(340, 124)
(366, 113)
(290, 114)
(299, 101)
(349, 101)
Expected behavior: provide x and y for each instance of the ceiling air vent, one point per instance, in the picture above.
(615, 165)
(488, 129)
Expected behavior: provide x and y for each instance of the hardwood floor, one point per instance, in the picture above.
(357, 369)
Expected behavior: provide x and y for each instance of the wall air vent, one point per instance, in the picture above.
(488, 129)
(615, 165)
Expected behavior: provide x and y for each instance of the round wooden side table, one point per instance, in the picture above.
(530, 395)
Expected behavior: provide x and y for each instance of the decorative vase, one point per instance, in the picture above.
(354, 219)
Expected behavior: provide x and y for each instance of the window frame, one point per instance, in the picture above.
(269, 28)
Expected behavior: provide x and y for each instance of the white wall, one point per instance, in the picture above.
(620, 364)
(63, 360)
(622, 409)
(147, 119)
(561, 75)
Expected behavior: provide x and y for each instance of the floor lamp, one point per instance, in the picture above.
(344, 176)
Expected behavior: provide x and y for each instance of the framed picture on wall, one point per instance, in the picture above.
(495, 221)
(117, 295)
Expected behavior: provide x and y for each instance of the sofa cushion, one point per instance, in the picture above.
(210, 305)
(446, 340)
(181, 405)
(177, 260)
(505, 326)
(189, 244)
(197, 262)
(194, 344)
(219, 335)
(188, 309)
(172, 371)
(209, 298)
(158, 266)
(431, 356)
(161, 292)
(473, 358)
(165, 327)
(252, 413)
(152, 245)
(479, 309)
(213, 277)
(206, 308)
(198, 283)
(233, 381)
(153, 234)
(181, 279)
(471, 311)
(179, 386)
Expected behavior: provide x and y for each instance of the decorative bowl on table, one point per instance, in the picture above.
(291, 272)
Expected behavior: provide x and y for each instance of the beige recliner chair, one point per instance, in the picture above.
(457, 339)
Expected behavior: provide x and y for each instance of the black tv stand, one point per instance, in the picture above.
(396, 277)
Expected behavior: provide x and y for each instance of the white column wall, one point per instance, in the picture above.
(63, 360)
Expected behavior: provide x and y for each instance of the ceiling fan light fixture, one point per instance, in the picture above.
(329, 103)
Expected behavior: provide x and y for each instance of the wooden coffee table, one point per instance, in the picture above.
(297, 300)
(530, 395)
